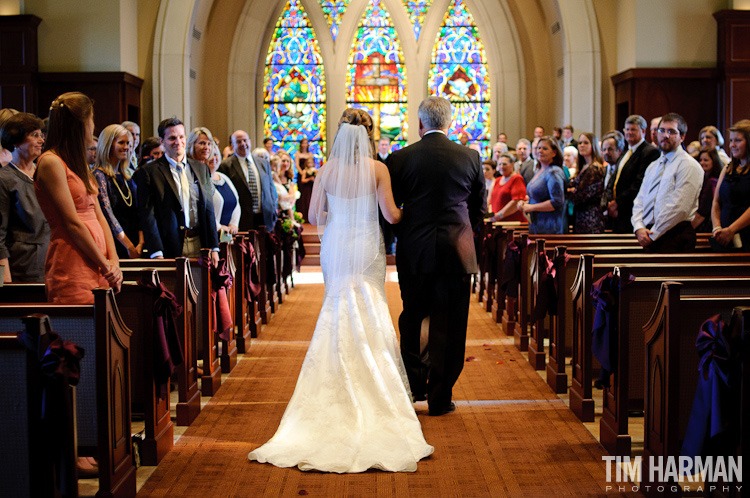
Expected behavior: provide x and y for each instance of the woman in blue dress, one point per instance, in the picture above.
(226, 200)
(546, 190)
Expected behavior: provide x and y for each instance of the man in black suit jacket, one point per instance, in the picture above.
(384, 150)
(441, 187)
(243, 169)
(627, 180)
(165, 186)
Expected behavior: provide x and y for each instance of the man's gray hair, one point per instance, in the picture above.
(435, 113)
(524, 141)
(129, 124)
(636, 120)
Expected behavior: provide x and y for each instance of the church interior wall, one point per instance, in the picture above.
(227, 61)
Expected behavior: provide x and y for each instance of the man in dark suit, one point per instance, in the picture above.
(441, 187)
(525, 165)
(567, 137)
(254, 184)
(175, 200)
(627, 180)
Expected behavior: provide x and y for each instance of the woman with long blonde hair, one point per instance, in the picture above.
(117, 191)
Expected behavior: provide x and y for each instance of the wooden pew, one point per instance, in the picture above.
(206, 343)
(228, 351)
(625, 392)
(268, 272)
(136, 304)
(671, 372)
(103, 393)
(179, 279)
(265, 298)
(247, 312)
(590, 268)
(27, 462)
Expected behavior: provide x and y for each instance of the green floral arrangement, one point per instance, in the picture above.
(298, 217)
(288, 227)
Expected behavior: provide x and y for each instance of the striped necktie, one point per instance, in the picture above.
(254, 185)
(649, 204)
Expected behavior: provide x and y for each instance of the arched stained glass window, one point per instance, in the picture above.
(333, 10)
(459, 73)
(295, 92)
(376, 81)
(417, 9)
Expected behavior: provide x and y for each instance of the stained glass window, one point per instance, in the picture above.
(295, 91)
(417, 10)
(333, 10)
(376, 81)
(459, 73)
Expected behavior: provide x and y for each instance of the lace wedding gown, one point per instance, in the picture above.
(351, 409)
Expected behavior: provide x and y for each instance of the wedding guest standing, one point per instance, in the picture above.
(226, 201)
(303, 155)
(731, 206)
(307, 177)
(5, 154)
(546, 190)
(199, 144)
(24, 232)
(508, 190)
(81, 255)
(712, 165)
(711, 138)
(151, 150)
(117, 190)
(586, 189)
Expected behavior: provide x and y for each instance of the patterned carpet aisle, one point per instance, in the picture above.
(510, 435)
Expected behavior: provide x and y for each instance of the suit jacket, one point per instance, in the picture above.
(629, 184)
(269, 199)
(441, 186)
(160, 209)
(527, 170)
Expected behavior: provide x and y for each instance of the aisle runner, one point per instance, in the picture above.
(510, 435)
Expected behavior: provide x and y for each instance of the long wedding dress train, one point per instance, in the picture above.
(351, 409)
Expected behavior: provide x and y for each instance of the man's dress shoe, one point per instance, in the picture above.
(449, 409)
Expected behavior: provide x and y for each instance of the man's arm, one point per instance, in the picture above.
(476, 202)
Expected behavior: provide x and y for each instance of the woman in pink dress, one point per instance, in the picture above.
(81, 255)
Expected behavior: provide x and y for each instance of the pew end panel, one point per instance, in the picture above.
(244, 308)
(136, 303)
(581, 395)
(228, 351)
(188, 395)
(208, 347)
(537, 354)
(26, 469)
(521, 329)
(672, 373)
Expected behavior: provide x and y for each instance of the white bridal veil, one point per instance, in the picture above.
(344, 207)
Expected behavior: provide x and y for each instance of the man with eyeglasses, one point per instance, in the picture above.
(627, 179)
(668, 198)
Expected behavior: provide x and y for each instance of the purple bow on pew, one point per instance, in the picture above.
(606, 300)
(60, 365)
(708, 417)
(546, 299)
(511, 270)
(58, 360)
(221, 281)
(273, 246)
(252, 277)
(167, 347)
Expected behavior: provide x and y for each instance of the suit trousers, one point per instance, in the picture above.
(679, 238)
(191, 247)
(444, 298)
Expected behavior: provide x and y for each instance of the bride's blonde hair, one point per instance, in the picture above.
(358, 117)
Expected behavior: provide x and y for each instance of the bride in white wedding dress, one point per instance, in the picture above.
(351, 409)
